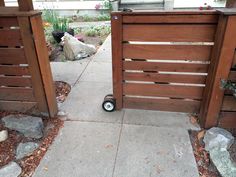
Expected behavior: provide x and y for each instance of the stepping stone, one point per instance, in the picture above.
(25, 149)
(10, 170)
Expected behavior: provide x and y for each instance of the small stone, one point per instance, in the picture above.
(29, 126)
(25, 149)
(10, 170)
(61, 113)
(3, 135)
(218, 138)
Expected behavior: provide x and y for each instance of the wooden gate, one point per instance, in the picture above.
(25, 75)
(161, 59)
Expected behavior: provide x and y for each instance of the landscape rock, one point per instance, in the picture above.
(31, 127)
(74, 49)
(218, 138)
(25, 149)
(223, 162)
(3, 135)
(10, 170)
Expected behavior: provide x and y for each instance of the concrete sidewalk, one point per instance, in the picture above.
(127, 143)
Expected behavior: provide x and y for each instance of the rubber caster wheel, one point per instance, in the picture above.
(109, 104)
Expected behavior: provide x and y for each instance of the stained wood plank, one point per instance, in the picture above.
(116, 35)
(169, 78)
(183, 19)
(2, 3)
(169, 33)
(43, 60)
(234, 60)
(18, 106)
(16, 94)
(8, 22)
(174, 105)
(167, 52)
(10, 37)
(171, 67)
(14, 70)
(32, 60)
(15, 81)
(14, 12)
(227, 119)
(229, 103)
(158, 90)
(12, 56)
(25, 5)
(232, 76)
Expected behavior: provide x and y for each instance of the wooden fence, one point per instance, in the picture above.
(25, 76)
(174, 61)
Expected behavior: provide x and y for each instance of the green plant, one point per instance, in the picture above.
(97, 31)
(107, 5)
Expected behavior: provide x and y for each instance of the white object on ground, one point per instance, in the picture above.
(74, 49)
(3, 135)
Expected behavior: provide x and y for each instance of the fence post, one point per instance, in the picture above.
(116, 23)
(25, 5)
(2, 3)
(221, 61)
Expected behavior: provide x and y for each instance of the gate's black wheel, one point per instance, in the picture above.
(109, 104)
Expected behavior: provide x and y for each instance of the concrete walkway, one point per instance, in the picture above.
(127, 143)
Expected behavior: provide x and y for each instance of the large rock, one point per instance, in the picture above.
(10, 170)
(25, 149)
(218, 138)
(31, 127)
(3, 135)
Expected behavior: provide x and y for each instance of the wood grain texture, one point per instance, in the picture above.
(25, 5)
(14, 70)
(164, 90)
(10, 37)
(229, 103)
(32, 59)
(227, 119)
(116, 35)
(18, 106)
(175, 105)
(234, 60)
(15, 81)
(16, 94)
(169, 33)
(8, 22)
(165, 78)
(167, 52)
(171, 67)
(12, 56)
(2, 3)
(170, 18)
(44, 65)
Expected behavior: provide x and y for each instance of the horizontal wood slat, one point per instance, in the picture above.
(158, 90)
(8, 22)
(227, 119)
(176, 105)
(169, 33)
(155, 77)
(15, 81)
(171, 67)
(10, 37)
(18, 106)
(170, 19)
(232, 76)
(16, 94)
(12, 56)
(14, 70)
(167, 52)
(229, 103)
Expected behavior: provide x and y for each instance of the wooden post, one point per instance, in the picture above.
(221, 62)
(116, 26)
(25, 5)
(231, 3)
(2, 3)
(44, 65)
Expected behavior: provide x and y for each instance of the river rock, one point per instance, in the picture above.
(29, 126)
(25, 149)
(10, 170)
(3, 135)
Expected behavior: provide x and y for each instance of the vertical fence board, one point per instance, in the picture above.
(25, 5)
(40, 44)
(116, 23)
(220, 67)
(2, 3)
(30, 53)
